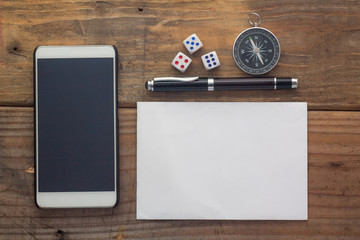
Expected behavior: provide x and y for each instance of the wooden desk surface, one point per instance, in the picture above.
(320, 43)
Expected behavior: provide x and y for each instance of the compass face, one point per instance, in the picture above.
(256, 50)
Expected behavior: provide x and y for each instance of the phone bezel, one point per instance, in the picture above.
(76, 199)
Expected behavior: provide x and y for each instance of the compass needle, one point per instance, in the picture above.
(260, 57)
(252, 43)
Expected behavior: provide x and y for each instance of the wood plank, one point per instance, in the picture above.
(319, 43)
(334, 190)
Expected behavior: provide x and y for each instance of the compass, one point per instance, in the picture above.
(256, 50)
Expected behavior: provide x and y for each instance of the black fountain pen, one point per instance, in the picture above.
(186, 84)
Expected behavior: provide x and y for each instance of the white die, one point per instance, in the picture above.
(181, 62)
(192, 43)
(210, 60)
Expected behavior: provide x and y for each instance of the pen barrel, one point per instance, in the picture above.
(198, 85)
(243, 83)
(251, 83)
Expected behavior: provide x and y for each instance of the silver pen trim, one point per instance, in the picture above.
(150, 85)
(294, 83)
(175, 79)
(275, 83)
(210, 84)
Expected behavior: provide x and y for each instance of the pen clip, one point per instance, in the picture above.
(176, 79)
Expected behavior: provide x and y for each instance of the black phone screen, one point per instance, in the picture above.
(76, 125)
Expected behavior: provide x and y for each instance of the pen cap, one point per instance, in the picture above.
(283, 83)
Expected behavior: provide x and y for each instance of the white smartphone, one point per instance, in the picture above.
(76, 126)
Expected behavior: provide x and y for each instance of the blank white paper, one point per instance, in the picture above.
(221, 160)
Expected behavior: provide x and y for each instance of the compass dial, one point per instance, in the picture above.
(256, 51)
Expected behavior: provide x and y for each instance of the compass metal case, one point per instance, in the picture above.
(256, 50)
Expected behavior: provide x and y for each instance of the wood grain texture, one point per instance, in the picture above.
(319, 42)
(334, 190)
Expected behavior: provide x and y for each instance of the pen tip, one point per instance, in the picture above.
(146, 85)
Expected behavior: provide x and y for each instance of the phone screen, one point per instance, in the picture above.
(76, 125)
